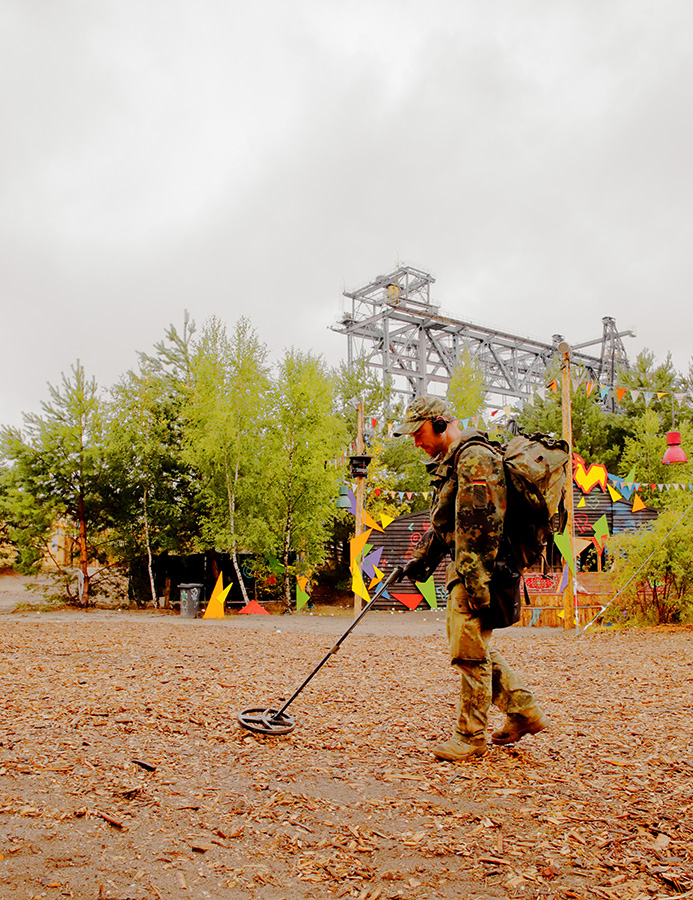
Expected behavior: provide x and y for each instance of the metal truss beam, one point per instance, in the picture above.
(395, 327)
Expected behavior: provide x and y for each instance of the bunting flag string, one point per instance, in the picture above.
(591, 387)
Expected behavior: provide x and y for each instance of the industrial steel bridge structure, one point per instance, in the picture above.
(397, 329)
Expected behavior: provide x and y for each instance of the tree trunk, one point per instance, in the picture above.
(83, 561)
(149, 551)
(231, 493)
(287, 575)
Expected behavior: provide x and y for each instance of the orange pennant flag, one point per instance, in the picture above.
(369, 522)
(638, 503)
(356, 546)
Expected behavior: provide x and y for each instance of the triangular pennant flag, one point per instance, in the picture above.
(411, 601)
(603, 391)
(615, 496)
(620, 393)
(428, 591)
(386, 520)
(542, 392)
(635, 394)
(301, 598)
(356, 546)
(562, 541)
(218, 587)
(601, 532)
(302, 581)
(553, 385)
(215, 607)
(377, 577)
(357, 585)
(370, 523)
(373, 559)
(648, 395)
(581, 544)
(253, 609)
(589, 387)
(378, 492)
(581, 503)
(661, 394)
(638, 504)
(564, 580)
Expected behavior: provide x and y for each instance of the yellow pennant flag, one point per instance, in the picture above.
(386, 520)
(379, 575)
(581, 503)
(357, 585)
(215, 607)
(614, 494)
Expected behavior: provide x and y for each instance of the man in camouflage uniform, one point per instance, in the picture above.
(469, 500)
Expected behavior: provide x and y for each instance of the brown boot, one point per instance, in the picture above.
(517, 725)
(456, 750)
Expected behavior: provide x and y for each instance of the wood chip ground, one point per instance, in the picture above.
(124, 774)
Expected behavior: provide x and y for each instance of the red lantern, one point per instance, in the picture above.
(674, 452)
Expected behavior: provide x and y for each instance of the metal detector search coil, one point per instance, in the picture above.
(272, 721)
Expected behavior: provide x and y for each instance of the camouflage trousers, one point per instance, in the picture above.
(486, 676)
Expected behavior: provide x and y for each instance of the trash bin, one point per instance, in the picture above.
(190, 600)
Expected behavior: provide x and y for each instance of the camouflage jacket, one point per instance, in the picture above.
(467, 510)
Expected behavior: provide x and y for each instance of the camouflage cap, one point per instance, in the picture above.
(420, 410)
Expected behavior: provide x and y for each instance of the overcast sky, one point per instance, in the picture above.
(258, 158)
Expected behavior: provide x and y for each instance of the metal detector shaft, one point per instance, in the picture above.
(394, 576)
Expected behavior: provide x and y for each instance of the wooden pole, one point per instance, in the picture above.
(570, 591)
(360, 491)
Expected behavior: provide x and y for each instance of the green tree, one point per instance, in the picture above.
(654, 570)
(302, 435)
(55, 468)
(154, 491)
(658, 378)
(467, 388)
(643, 453)
(225, 419)
(598, 436)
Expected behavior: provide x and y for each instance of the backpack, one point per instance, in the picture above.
(536, 470)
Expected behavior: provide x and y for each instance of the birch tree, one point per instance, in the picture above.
(302, 436)
(224, 429)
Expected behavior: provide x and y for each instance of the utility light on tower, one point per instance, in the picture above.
(674, 452)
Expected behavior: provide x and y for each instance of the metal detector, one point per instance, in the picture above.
(277, 721)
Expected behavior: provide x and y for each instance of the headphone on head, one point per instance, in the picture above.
(439, 424)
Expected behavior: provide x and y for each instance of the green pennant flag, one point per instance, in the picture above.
(562, 541)
(301, 598)
(428, 591)
(601, 532)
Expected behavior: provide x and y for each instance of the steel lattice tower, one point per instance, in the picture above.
(397, 329)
